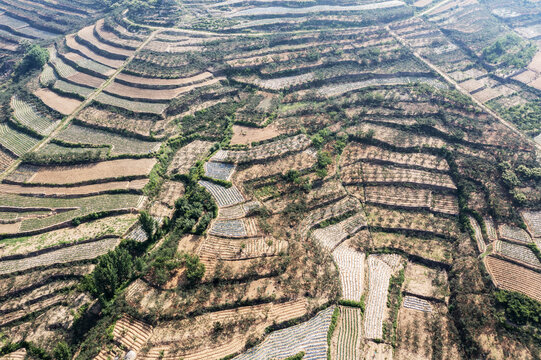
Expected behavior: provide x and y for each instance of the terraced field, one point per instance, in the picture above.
(287, 161)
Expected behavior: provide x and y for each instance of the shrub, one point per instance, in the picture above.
(62, 351)
(34, 58)
(195, 269)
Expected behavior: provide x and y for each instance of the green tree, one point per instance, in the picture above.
(195, 269)
(34, 58)
(112, 270)
(148, 224)
(62, 351)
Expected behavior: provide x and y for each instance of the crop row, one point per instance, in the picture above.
(27, 115)
(119, 144)
(263, 152)
(310, 337)
(513, 233)
(355, 152)
(17, 142)
(517, 252)
(223, 196)
(379, 274)
(533, 220)
(69, 254)
(351, 270)
(349, 334)
(512, 277)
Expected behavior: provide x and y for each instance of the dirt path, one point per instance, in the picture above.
(85, 103)
(447, 78)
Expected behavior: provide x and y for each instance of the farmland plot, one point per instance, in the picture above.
(513, 233)
(135, 106)
(119, 144)
(317, 216)
(481, 246)
(277, 10)
(71, 191)
(115, 226)
(63, 210)
(415, 303)
(131, 333)
(379, 274)
(94, 116)
(411, 221)
(398, 138)
(5, 160)
(27, 115)
(218, 170)
(425, 281)
(34, 296)
(15, 355)
(349, 334)
(310, 337)
(379, 174)
(491, 229)
(62, 104)
(70, 174)
(512, 277)
(300, 161)
(398, 196)
(65, 255)
(87, 65)
(517, 252)
(188, 155)
(332, 236)
(15, 141)
(264, 152)
(223, 196)
(227, 249)
(237, 211)
(356, 152)
(77, 47)
(533, 220)
(351, 270)
(168, 334)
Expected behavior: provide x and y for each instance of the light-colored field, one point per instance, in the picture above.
(101, 170)
(425, 281)
(72, 190)
(188, 155)
(62, 104)
(112, 226)
(246, 135)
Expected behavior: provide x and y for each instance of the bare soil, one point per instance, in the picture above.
(80, 173)
(245, 135)
(63, 105)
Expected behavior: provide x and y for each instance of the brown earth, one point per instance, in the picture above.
(245, 135)
(80, 173)
(63, 105)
